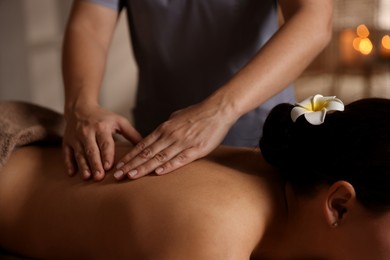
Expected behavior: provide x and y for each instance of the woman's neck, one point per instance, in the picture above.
(294, 234)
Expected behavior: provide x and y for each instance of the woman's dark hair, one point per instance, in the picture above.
(352, 145)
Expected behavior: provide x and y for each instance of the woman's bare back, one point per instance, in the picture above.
(214, 208)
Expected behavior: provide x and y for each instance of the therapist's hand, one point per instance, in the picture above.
(188, 135)
(88, 143)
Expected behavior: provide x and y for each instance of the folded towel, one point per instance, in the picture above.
(23, 123)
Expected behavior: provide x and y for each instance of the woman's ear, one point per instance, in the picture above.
(339, 200)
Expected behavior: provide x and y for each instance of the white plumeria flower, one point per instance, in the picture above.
(315, 108)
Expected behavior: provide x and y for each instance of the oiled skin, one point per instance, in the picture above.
(215, 208)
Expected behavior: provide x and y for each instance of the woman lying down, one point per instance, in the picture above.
(326, 196)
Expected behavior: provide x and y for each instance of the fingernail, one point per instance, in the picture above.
(107, 165)
(118, 174)
(97, 173)
(70, 172)
(86, 174)
(159, 170)
(132, 173)
(119, 165)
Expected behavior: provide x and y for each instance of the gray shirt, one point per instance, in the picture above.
(187, 49)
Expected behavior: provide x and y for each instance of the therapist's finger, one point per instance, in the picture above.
(106, 146)
(128, 131)
(181, 159)
(164, 155)
(142, 153)
(68, 156)
(147, 161)
(164, 162)
(92, 154)
(142, 150)
(82, 162)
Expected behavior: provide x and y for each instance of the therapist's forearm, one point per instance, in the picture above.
(304, 35)
(83, 68)
(84, 57)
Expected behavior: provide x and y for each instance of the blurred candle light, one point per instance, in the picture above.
(385, 46)
(361, 43)
(356, 43)
(386, 42)
(365, 46)
(362, 31)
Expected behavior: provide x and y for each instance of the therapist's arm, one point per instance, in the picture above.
(194, 132)
(88, 141)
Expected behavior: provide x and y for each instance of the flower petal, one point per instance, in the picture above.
(317, 102)
(316, 107)
(308, 103)
(335, 105)
(297, 112)
(316, 117)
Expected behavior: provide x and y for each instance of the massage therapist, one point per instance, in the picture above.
(209, 72)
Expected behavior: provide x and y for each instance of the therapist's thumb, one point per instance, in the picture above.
(128, 131)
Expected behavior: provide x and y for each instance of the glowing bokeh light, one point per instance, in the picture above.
(362, 31)
(386, 42)
(365, 46)
(356, 43)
